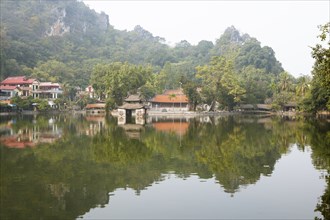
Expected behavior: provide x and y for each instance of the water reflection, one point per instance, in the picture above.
(85, 159)
(16, 134)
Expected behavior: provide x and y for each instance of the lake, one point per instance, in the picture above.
(226, 167)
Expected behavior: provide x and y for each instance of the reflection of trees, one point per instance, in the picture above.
(67, 178)
(236, 152)
(319, 136)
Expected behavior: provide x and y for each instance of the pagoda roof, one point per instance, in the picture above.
(131, 106)
(133, 98)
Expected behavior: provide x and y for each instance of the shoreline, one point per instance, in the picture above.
(181, 114)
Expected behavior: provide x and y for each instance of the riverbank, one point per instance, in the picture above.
(114, 113)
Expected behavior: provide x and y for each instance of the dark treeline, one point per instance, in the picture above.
(67, 42)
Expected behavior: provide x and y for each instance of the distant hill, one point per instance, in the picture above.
(63, 40)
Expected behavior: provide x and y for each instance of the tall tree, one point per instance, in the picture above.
(321, 71)
(302, 86)
(220, 83)
(118, 79)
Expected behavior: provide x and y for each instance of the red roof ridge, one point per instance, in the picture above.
(168, 99)
(5, 87)
(18, 80)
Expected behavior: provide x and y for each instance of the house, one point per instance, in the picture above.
(29, 87)
(90, 92)
(19, 81)
(264, 107)
(7, 92)
(246, 107)
(22, 82)
(170, 101)
(46, 90)
(290, 106)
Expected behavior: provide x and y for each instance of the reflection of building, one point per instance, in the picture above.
(97, 123)
(29, 136)
(132, 130)
(170, 101)
(180, 128)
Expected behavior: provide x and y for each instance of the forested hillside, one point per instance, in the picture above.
(66, 42)
(63, 40)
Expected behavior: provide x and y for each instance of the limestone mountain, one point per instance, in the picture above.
(63, 40)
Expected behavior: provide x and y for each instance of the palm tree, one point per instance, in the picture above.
(285, 81)
(302, 86)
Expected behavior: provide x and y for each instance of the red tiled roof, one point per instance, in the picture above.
(2, 87)
(95, 105)
(169, 99)
(15, 80)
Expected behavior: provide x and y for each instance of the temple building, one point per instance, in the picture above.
(133, 106)
(170, 101)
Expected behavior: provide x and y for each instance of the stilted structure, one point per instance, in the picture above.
(133, 105)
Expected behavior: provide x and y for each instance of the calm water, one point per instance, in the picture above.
(72, 167)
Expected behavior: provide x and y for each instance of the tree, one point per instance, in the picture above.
(285, 91)
(117, 80)
(321, 71)
(285, 81)
(303, 85)
(53, 70)
(220, 83)
(228, 44)
(253, 54)
(190, 88)
(256, 83)
(171, 97)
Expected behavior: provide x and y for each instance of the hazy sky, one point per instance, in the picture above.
(289, 27)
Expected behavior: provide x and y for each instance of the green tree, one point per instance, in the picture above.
(257, 84)
(285, 82)
(190, 89)
(321, 71)
(117, 80)
(303, 84)
(171, 97)
(220, 83)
